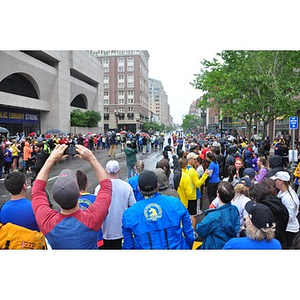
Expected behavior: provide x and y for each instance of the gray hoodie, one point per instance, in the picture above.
(164, 186)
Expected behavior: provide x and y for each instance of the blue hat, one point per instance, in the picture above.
(249, 172)
(245, 181)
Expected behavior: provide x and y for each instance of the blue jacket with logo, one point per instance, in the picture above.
(157, 222)
(219, 226)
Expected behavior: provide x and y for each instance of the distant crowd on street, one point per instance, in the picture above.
(250, 185)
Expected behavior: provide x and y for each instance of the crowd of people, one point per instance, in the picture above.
(252, 198)
(20, 152)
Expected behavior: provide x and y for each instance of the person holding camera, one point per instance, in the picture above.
(130, 152)
(71, 227)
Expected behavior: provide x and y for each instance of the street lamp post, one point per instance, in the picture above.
(117, 114)
(203, 115)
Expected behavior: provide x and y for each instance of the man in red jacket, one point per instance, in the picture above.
(71, 228)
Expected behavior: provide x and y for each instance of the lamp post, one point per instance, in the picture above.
(117, 114)
(203, 115)
(137, 124)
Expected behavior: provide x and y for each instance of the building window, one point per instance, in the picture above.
(105, 62)
(120, 81)
(121, 64)
(106, 109)
(130, 80)
(130, 64)
(130, 109)
(130, 116)
(106, 81)
(130, 97)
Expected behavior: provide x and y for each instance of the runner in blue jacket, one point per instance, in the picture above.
(157, 221)
(222, 223)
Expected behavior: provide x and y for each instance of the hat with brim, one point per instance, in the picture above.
(246, 181)
(112, 167)
(65, 190)
(282, 175)
(260, 215)
(192, 155)
(147, 181)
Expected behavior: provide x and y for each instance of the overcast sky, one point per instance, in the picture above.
(177, 34)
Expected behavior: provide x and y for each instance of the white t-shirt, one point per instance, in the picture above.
(122, 198)
(291, 202)
(240, 201)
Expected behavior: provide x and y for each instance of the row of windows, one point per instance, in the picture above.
(120, 69)
(120, 109)
(121, 117)
(121, 65)
(120, 93)
(121, 81)
(120, 101)
(130, 77)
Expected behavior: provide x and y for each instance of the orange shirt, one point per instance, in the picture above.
(27, 151)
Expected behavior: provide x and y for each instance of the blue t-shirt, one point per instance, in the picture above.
(85, 201)
(214, 178)
(248, 244)
(19, 212)
(133, 181)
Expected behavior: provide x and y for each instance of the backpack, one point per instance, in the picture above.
(17, 237)
(14, 237)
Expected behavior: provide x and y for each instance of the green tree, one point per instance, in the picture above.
(251, 85)
(191, 122)
(93, 118)
(78, 118)
(155, 126)
(87, 118)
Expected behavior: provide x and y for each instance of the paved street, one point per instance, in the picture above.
(74, 163)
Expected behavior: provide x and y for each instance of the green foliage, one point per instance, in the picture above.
(191, 122)
(93, 118)
(251, 85)
(155, 126)
(88, 118)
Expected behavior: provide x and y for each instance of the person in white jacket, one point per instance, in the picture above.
(291, 201)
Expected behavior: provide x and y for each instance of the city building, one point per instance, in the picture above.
(39, 89)
(125, 88)
(213, 121)
(158, 103)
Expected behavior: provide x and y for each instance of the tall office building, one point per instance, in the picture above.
(158, 102)
(125, 89)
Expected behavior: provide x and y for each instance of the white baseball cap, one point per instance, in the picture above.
(112, 167)
(282, 175)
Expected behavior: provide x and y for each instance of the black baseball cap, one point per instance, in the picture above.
(260, 215)
(147, 181)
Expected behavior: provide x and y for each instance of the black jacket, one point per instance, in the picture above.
(40, 159)
(275, 163)
(281, 217)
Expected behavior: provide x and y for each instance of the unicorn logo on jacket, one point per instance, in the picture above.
(152, 212)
